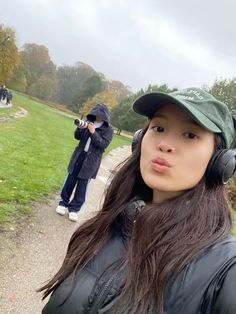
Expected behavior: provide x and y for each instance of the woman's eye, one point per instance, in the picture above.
(158, 129)
(191, 135)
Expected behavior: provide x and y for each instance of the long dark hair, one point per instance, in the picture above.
(164, 238)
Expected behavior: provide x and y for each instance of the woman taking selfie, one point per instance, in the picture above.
(161, 242)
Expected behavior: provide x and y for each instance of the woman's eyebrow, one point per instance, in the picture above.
(186, 120)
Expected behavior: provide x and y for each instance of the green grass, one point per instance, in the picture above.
(6, 211)
(34, 154)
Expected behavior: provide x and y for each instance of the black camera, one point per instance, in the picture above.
(81, 123)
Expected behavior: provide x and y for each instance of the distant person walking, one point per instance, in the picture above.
(94, 137)
(1, 92)
(4, 92)
(9, 98)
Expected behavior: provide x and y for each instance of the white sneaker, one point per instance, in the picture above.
(73, 216)
(61, 210)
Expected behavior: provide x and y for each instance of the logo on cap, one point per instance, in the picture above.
(196, 94)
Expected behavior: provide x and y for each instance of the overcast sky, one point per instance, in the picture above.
(181, 43)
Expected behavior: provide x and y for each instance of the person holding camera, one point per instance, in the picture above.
(94, 135)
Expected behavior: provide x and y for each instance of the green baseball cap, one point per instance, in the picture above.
(201, 106)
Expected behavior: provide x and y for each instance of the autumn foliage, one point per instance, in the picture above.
(9, 56)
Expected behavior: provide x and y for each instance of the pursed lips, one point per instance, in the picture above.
(161, 161)
(160, 164)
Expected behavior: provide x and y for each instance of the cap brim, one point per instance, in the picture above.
(148, 104)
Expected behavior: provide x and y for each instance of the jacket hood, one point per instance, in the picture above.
(100, 110)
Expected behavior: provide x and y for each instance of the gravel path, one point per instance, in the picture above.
(42, 244)
(4, 105)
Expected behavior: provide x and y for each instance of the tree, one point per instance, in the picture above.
(124, 118)
(79, 83)
(18, 81)
(9, 56)
(119, 88)
(44, 88)
(225, 91)
(91, 87)
(71, 81)
(68, 82)
(161, 88)
(106, 97)
(36, 62)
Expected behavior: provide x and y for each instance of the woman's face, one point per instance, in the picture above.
(175, 152)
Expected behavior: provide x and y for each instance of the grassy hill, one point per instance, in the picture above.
(34, 153)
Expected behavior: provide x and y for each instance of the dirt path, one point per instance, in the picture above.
(42, 244)
(19, 114)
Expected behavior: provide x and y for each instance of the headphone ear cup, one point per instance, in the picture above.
(136, 139)
(221, 167)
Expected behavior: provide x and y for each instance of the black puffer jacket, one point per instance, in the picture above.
(100, 139)
(205, 286)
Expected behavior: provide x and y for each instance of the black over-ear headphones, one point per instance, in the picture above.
(221, 166)
(136, 139)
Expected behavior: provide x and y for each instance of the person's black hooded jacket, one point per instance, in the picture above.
(100, 139)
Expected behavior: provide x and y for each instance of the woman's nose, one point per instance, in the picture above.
(165, 147)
